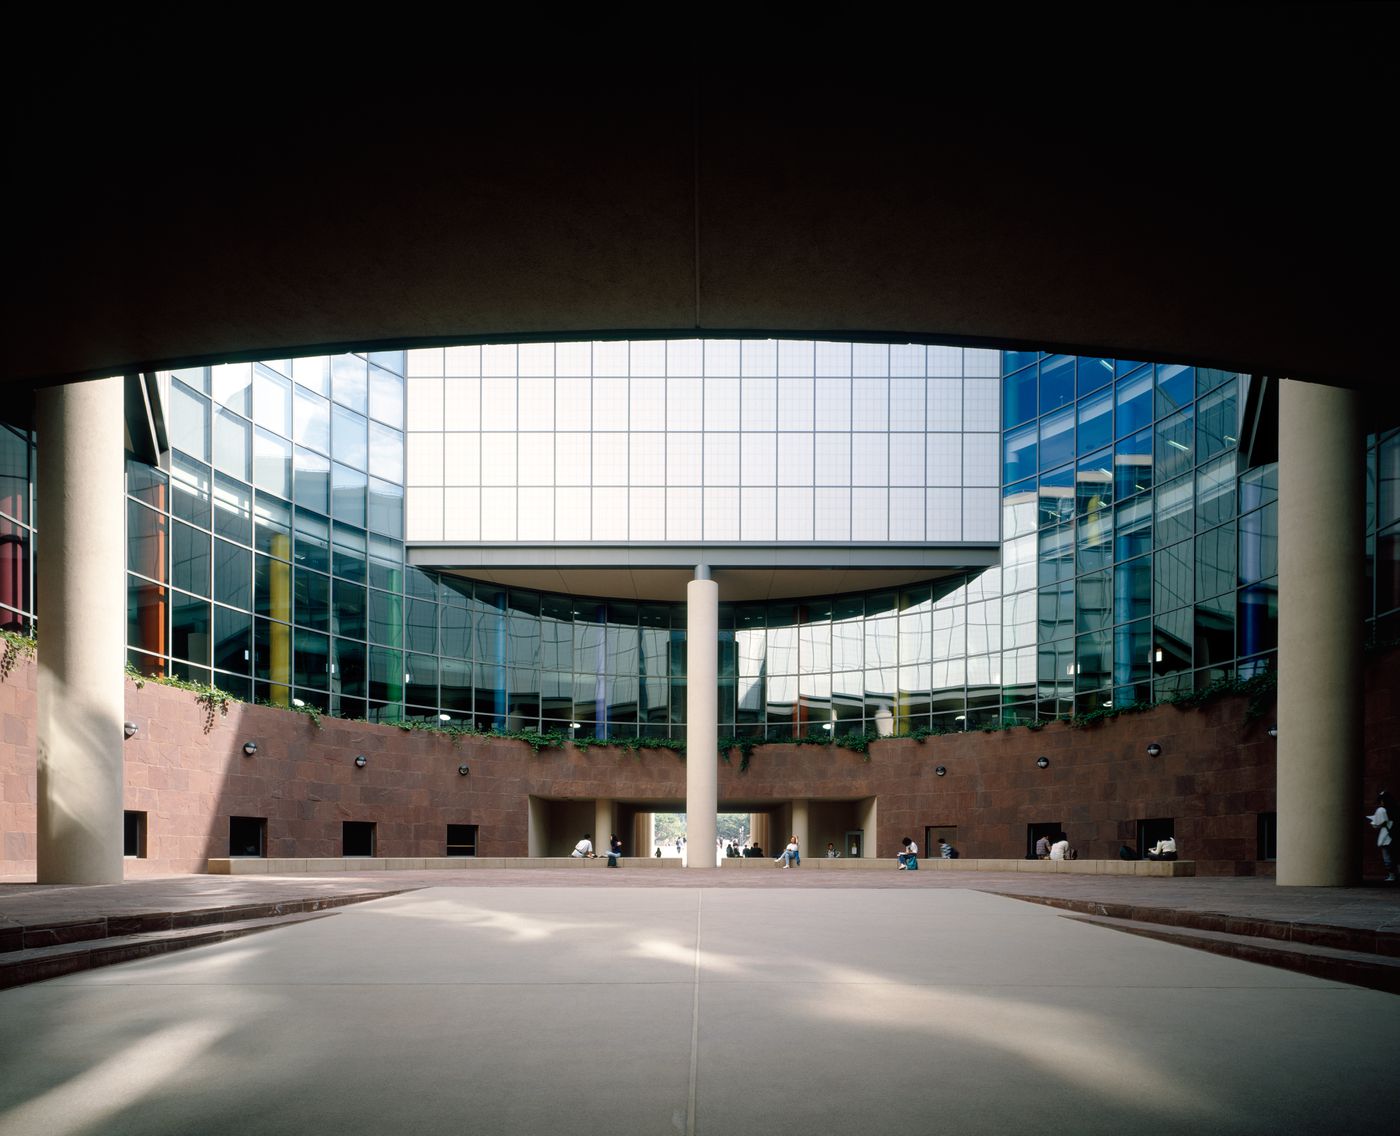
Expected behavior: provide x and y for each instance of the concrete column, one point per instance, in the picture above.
(81, 617)
(701, 717)
(603, 825)
(537, 832)
(1322, 494)
(801, 829)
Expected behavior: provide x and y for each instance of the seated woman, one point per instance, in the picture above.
(909, 858)
(790, 857)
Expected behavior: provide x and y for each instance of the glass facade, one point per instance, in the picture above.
(267, 554)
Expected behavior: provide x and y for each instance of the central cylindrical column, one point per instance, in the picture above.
(801, 829)
(701, 711)
(603, 825)
(82, 689)
(1321, 535)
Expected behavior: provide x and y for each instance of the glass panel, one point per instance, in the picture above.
(189, 628)
(272, 463)
(1019, 454)
(1018, 398)
(348, 495)
(312, 480)
(1096, 422)
(350, 382)
(1175, 451)
(312, 421)
(313, 542)
(1056, 382)
(1134, 398)
(189, 422)
(233, 575)
(1056, 439)
(312, 599)
(272, 401)
(350, 438)
(312, 660)
(1218, 421)
(1176, 386)
(189, 559)
(146, 537)
(1132, 589)
(386, 396)
(233, 640)
(1258, 554)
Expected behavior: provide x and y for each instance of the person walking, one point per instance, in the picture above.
(1382, 820)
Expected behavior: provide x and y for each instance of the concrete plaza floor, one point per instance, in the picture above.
(701, 1009)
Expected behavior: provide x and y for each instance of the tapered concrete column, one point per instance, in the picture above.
(1322, 494)
(701, 714)
(603, 825)
(81, 614)
(800, 829)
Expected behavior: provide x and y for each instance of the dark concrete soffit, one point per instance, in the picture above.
(1219, 194)
(644, 556)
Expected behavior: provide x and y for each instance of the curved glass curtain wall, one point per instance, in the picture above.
(1138, 559)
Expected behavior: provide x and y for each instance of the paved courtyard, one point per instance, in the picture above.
(643, 1010)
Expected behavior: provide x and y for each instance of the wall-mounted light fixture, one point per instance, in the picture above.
(1273, 731)
(129, 729)
(941, 770)
(1154, 750)
(361, 761)
(463, 770)
(250, 748)
(1043, 762)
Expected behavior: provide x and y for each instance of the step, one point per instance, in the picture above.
(60, 932)
(1358, 968)
(36, 964)
(1359, 939)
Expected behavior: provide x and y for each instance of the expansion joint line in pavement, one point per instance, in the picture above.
(694, 1022)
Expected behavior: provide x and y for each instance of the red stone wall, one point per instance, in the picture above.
(1215, 774)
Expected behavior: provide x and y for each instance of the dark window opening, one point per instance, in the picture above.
(1050, 829)
(932, 832)
(461, 840)
(247, 836)
(134, 834)
(1267, 837)
(357, 837)
(1151, 831)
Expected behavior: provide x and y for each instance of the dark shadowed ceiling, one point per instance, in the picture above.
(1201, 184)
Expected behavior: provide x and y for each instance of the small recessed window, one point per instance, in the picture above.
(357, 837)
(1267, 836)
(461, 840)
(247, 836)
(134, 834)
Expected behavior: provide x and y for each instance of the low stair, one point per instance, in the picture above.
(50, 950)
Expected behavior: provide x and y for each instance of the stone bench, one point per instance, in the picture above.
(252, 865)
(280, 865)
(1166, 868)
